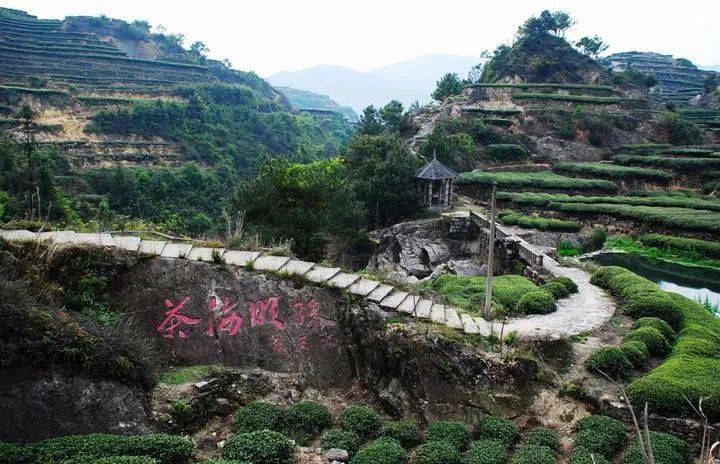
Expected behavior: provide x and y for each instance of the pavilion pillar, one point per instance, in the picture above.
(430, 193)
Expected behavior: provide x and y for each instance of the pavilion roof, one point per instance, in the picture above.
(435, 170)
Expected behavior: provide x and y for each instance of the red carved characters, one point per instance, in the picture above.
(261, 309)
(174, 319)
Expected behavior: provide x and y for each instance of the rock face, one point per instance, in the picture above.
(37, 405)
(417, 248)
(201, 313)
(551, 149)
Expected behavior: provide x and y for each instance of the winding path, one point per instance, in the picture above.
(584, 311)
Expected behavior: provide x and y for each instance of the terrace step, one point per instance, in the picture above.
(393, 300)
(240, 258)
(437, 313)
(379, 293)
(321, 274)
(363, 287)
(270, 263)
(343, 280)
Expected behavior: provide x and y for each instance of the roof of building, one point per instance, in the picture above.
(435, 170)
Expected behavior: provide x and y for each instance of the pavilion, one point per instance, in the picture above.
(436, 182)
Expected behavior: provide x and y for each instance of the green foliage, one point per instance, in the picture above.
(537, 222)
(437, 452)
(636, 352)
(176, 375)
(166, 449)
(497, 428)
(611, 171)
(543, 85)
(405, 431)
(449, 85)
(111, 460)
(680, 131)
(257, 415)
(534, 454)
(362, 420)
(455, 434)
(667, 449)
(388, 119)
(505, 152)
(384, 450)
(341, 439)
(692, 245)
(682, 165)
(469, 292)
(591, 46)
(306, 202)
(263, 446)
(542, 436)
(486, 452)
(600, 435)
(634, 76)
(657, 324)
(557, 290)
(451, 144)
(567, 282)
(536, 302)
(596, 241)
(381, 170)
(537, 180)
(15, 453)
(306, 419)
(593, 99)
(652, 338)
(610, 360)
(565, 248)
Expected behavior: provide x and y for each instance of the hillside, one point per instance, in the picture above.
(111, 104)
(304, 100)
(679, 80)
(406, 81)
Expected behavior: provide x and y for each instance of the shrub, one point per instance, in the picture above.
(111, 460)
(600, 435)
(657, 324)
(263, 446)
(567, 282)
(384, 450)
(538, 302)
(610, 360)
(583, 456)
(257, 415)
(570, 98)
(596, 241)
(451, 432)
(14, 453)
(405, 431)
(469, 291)
(636, 352)
(166, 449)
(667, 449)
(557, 289)
(540, 223)
(486, 452)
(538, 180)
(612, 171)
(498, 428)
(652, 338)
(654, 304)
(362, 420)
(702, 247)
(543, 436)
(534, 454)
(684, 165)
(306, 419)
(505, 152)
(341, 439)
(436, 452)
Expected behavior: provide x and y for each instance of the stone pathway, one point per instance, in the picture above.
(584, 311)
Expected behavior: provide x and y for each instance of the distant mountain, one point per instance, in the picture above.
(305, 100)
(406, 81)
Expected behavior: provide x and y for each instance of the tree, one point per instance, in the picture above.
(381, 171)
(557, 22)
(711, 83)
(305, 202)
(392, 116)
(562, 23)
(449, 85)
(591, 46)
(370, 121)
(199, 51)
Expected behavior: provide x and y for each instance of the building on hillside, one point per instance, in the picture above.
(436, 183)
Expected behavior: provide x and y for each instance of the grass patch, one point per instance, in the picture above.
(612, 171)
(545, 180)
(674, 249)
(176, 375)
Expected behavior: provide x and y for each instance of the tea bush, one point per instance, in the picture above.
(384, 450)
(545, 180)
(612, 171)
(667, 449)
(567, 282)
(15, 453)
(679, 164)
(469, 291)
(258, 415)
(570, 98)
(498, 428)
(453, 433)
(341, 439)
(505, 152)
(362, 420)
(652, 338)
(557, 289)
(693, 245)
(610, 360)
(307, 419)
(486, 452)
(534, 454)
(437, 452)
(542, 436)
(600, 435)
(540, 223)
(111, 460)
(537, 302)
(583, 456)
(405, 431)
(636, 352)
(263, 446)
(657, 324)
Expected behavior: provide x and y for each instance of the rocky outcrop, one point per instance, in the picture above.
(554, 150)
(416, 248)
(47, 403)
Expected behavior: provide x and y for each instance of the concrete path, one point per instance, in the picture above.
(584, 311)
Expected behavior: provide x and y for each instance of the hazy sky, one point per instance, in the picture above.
(274, 35)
